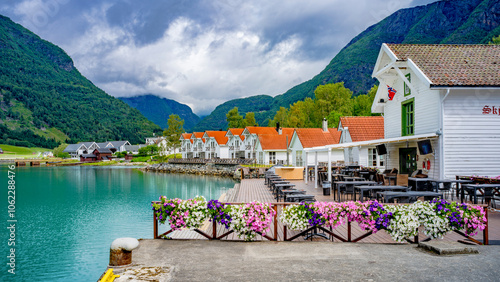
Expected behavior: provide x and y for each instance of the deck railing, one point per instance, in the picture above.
(213, 161)
(277, 207)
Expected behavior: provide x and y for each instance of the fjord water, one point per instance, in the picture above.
(67, 217)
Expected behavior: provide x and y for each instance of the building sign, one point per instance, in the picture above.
(487, 110)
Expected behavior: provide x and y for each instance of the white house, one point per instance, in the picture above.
(313, 137)
(75, 150)
(250, 134)
(235, 143)
(186, 145)
(446, 94)
(216, 144)
(198, 144)
(272, 149)
(91, 146)
(358, 129)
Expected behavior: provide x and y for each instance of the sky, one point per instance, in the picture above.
(200, 53)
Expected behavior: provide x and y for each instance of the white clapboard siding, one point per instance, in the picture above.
(471, 138)
(427, 109)
(393, 157)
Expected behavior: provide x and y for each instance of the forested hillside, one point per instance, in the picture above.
(44, 100)
(450, 21)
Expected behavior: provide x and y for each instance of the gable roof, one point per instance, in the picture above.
(314, 137)
(102, 144)
(273, 142)
(364, 128)
(87, 144)
(219, 136)
(260, 130)
(118, 144)
(103, 151)
(186, 136)
(453, 65)
(236, 132)
(74, 147)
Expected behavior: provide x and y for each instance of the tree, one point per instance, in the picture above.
(234, 119)
(333, 97)
(250, 119)
(148, 150)
(495, 40)
(363, 103)
(174, 131)
(58, 151)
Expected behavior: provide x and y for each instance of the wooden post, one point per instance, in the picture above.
(155, 226)
(275, 207)
(284, 233)
(485, 231)
(214, 229)
(348, 231)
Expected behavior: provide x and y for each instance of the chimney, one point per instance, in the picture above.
(278, 127)
(280, 131)
(325, 125)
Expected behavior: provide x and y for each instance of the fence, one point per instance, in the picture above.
(212, 161)
(277, 224)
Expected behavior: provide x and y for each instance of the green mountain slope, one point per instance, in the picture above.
(158, 110)
(45, 100)
(449, 21)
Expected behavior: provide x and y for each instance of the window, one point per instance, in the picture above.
(272, 157)
(374, 159)
(261, 157)
(407, 90)
(408, 118)
(298, 159)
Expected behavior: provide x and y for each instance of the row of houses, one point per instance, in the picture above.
(267, 145)
(104, 149)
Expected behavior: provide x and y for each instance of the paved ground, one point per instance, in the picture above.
(304, 261)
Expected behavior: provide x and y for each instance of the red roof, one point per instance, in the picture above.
(364, 128)
(186, 135)
(237, 132)
(273, 142)
(261, 130)
(198, 134)
(220, 136)
(314, 137)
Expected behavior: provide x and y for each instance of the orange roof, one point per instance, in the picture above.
(237, 132)
(287, 131)
(186, 135)
(261, 130)
(273, 142)
(198, 134)
(314, 137)
(364, 128)
(220, 136)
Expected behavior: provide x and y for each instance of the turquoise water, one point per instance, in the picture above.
(67, 217)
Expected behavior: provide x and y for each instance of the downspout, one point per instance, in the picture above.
(441, 137)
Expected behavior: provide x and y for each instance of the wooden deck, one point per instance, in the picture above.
(254, 190)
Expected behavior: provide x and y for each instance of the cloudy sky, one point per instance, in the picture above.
(200, 53)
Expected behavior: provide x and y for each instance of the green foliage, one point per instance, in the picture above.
(140, 159)
(42, 89)
(120, 154)
(58, 151)
(148, 150)
(174, 130)
(64, 155)
(495, 40)
(332, 101)
(234, 119)
(250, 119)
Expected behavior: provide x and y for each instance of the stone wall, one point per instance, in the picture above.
(199, 169)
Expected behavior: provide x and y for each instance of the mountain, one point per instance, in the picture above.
(158, 110)
(442, 22)
(44, 100)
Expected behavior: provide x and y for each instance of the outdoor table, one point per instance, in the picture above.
(289, 192)
(365, 174)
(300, 197)
(457, 181)
(272, 180)
(354, 178)
(391, 177)
(391, 195)
(363, 188)
(282, 186)
(338, 184)
(269, 177)
(475, 187)
(415, 183)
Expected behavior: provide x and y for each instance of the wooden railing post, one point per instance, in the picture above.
(348, 231)
(155, 225)
(485, 231)
(214, 229)
(275, 207)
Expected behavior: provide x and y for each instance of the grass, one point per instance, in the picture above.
(102, 163)
(10, 152)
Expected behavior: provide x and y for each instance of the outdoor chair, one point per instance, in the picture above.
(261, 172)
(246, 172)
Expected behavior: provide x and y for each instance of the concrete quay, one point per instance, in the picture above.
(194, 260)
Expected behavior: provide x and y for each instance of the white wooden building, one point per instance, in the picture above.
(447, 94)
(216, 144)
